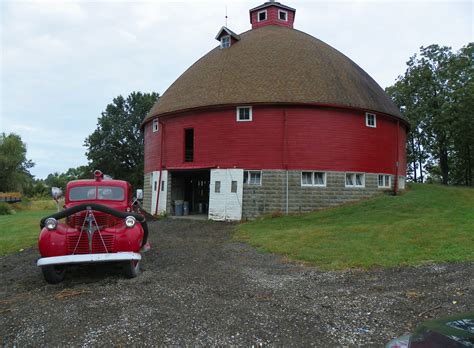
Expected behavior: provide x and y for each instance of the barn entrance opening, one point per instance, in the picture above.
(190, 192)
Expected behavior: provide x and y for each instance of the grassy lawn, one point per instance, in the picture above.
(21, 230)
(429, 223)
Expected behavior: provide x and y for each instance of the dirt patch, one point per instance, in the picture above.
(199, 287)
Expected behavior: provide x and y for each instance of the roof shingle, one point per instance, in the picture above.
(274, 64)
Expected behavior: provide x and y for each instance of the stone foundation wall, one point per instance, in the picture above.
(270, 197)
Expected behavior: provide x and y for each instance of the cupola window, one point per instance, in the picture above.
(225, 41)
(155, 125)
(262, 16)
(244, 114)
(283, 15)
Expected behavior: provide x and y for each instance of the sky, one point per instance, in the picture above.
(63, 61)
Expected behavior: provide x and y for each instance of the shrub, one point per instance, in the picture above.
(5, 209)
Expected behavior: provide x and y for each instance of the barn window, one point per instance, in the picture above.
(355, 180)
(253, 177)
(244, 113)
(217, 187)
(233, 186)
(283, 15)
(313, 179)
(384, 181)
(370, 120)
(189, 145)
(225, 41)
(162, 185)
(155, 125)
(262, 15)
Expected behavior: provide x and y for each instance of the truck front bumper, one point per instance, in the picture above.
(87, 258)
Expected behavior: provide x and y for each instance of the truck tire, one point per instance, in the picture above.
(131, 268)
(54, 274)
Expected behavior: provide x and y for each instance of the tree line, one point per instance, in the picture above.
(436, 93)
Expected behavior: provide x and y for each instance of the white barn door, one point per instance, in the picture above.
(155, 181)
(225, 194)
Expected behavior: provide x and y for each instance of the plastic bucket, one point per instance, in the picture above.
(186, 208)
(178, 208)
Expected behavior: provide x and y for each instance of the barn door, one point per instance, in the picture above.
(225, 194)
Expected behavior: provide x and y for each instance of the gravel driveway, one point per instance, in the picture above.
(197, 286)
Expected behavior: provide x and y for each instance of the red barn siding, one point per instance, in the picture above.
(272, 18)
(152, 147)
(317, 138)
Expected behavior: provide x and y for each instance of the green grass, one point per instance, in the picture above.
(20, 230)
(429, 223)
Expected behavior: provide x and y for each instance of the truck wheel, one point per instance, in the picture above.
(131, 268)
(54, 274)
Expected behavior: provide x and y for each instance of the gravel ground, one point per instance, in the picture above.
(198, 287)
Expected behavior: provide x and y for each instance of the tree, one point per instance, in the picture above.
(116, 146)
(14, 166)
(436, 94)
(61, 179)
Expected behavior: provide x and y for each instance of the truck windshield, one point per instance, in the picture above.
(84, 193)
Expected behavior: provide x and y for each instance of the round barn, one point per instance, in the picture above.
(271, 121)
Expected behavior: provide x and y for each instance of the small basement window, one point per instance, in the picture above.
(262, 16)
(253, 177)
(313, 179)
(370, 120)
(384, 181)
(244, 113)
(155, 125)
(225, 41)
(355, 180)
(283, 15)
(233, 186)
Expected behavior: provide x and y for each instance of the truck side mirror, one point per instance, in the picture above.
(139, 194)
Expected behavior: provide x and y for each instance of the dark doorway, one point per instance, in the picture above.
(191, 186)
(189, 145)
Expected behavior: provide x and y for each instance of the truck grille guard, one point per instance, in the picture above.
(92, 227)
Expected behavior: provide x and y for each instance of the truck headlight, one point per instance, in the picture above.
(51, 224)
(130, 221)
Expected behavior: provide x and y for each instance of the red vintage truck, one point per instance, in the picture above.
(100, 225)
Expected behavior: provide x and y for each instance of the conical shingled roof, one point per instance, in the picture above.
(274, 64)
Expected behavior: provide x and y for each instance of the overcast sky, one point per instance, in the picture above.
(63, 61)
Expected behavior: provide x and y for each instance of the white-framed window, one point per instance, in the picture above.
(355, 180)
(401, 182)
(155, 125)
(253, 177)
(384, 181)
(244, 113)
(283, 15)
(217, 187)
(233, 186)
(370, 120)
(225, 41)
(313, 179)
(262, 16)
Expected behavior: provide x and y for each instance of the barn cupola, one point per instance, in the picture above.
(272, 13)
(227, 37)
